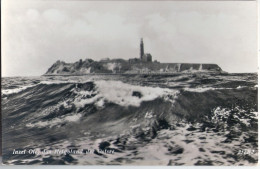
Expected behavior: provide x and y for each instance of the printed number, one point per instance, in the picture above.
(246, 152)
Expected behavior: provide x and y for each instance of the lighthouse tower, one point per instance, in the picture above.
(141, 49)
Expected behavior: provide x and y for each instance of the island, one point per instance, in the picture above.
(142, 65)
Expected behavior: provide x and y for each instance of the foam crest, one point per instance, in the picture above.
(63, 82)
(55, 121)
(15, 90)
(204, 89)
(122, 94)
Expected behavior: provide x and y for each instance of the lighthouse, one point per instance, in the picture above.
(144, 57)
(141, 49)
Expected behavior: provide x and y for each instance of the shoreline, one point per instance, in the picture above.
(172, 73)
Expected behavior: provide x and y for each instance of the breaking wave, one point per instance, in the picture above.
(184, 120)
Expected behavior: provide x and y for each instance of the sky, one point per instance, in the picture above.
(35, 34)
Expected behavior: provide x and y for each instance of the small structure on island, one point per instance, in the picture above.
(144, 57)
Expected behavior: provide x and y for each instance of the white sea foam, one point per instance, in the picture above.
(204, 89)
(19, 89)
(122, 94)
(57, 82)
(199, 90)
(74, 80)
(55, 121)
(148, 115)
(239, 87)
(15, 90)
(255, 114)
(220, 115)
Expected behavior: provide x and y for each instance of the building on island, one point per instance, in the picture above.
(134, 60)
(144, 57)
(147, 57)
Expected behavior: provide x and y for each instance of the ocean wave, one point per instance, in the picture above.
(55, 121)
(66, 81)
(120, 93)
(22, 88)
(203, 89)
(145, 121)
(15, 90)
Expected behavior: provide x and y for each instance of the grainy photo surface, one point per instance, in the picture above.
(129, 83)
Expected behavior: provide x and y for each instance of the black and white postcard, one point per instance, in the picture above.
(129, 82)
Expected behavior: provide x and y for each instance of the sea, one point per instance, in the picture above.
(131, 119)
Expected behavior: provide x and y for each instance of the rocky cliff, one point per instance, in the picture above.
(122, 66)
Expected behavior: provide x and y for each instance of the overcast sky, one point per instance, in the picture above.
(37, 33)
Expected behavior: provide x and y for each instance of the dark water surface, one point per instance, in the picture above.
(179, 119)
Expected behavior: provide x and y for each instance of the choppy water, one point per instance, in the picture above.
(180, 119)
